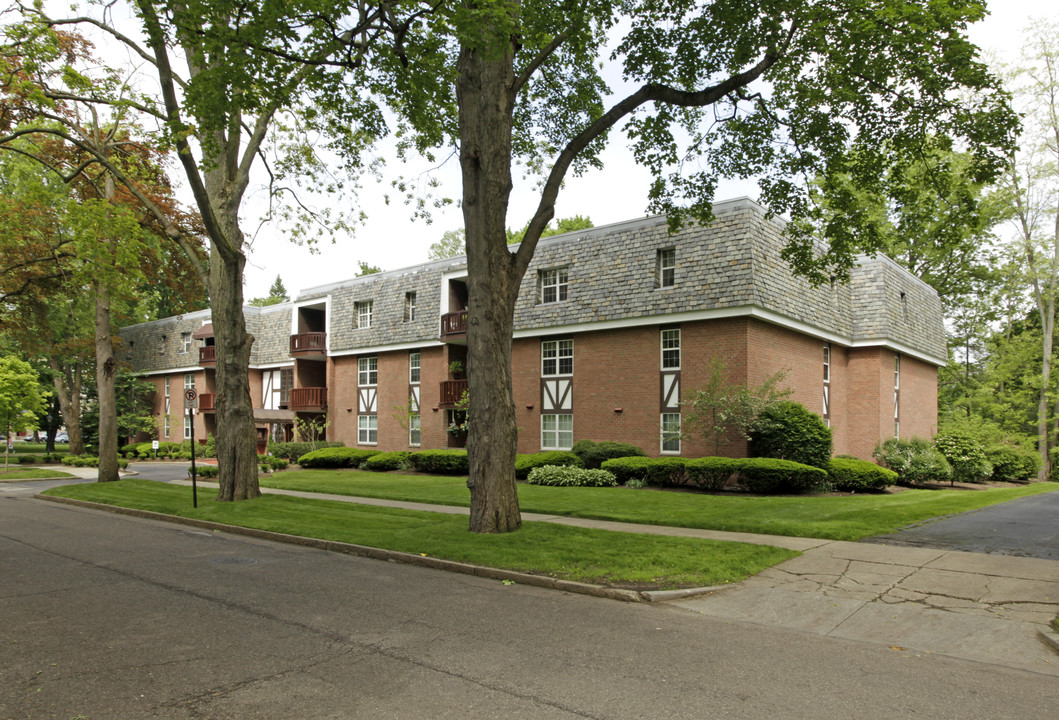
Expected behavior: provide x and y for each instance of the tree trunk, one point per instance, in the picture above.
(236, 444)
(67, 383)
(484, 93)
(106, 368)
(1043, 436)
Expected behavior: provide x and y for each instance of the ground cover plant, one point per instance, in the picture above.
(32, 474)
(844, 517)
(613, 558)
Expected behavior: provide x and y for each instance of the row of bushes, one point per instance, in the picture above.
(956, 457)
(30, 459)
(89, 461)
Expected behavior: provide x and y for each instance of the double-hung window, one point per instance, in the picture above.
(671, 433)
(363, 309)
(185, 342)
(557, 357)
(410, 306)
(666, 267)
(413, 368)
(368, 371)
(367, 429)
(671, 349)
(553, 285)
(415, 432)
(557, 432)
(189, 380)
(827, 385)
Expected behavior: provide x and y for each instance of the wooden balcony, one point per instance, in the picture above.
(454, 326)
(207, 402)
(452, 391)
(310, 344)
(208, 355)
(308, 399)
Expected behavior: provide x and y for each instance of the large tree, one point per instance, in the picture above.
(20, 398)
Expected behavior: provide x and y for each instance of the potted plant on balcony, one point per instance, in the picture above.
(456, 369)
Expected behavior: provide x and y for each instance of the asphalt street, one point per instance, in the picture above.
(113, 617)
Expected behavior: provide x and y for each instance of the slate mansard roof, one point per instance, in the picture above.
(731, 268)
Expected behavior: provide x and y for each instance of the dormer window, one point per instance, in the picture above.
(552, 285)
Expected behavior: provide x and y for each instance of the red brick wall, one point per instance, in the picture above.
(919, 398)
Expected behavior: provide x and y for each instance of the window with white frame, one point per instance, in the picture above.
(413, 367)
(671, 432)
(671, 349)
(667, 267)
(410, 306)
(557, 357)
(185, 342)
(161, 347)
(367, 429)
(368, 371)
(167, 379)
(415, 433)
(167, 428)
(827, 385)
(189, 380)
(552, 285)
(897, 396)
(557, 432)
(363, 313)
(187, 427)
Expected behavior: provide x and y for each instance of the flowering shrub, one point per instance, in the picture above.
(966, 456)
(570, 476)
(916, 461)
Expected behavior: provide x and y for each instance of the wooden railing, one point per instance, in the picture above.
(308, 398)
(454, 323)
(452, 391)
(207, 402)
(310, 342)
(207, 354)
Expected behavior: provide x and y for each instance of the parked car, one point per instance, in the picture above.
(61, 437)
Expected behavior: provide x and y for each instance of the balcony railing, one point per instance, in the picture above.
(308, 398)
(452, 391)
(310, 343)
(454, 323)
(207, 402)
(208, 355)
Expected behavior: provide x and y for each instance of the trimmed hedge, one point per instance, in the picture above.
(593, 454)
(1012, 464)
(570, 476)
(294, 450)
(89, 461)
(663, 472)
(205, 471)
(711, 473)
(526, 463)
(768, 475)
(440, 462)
(270, 463)
(853, 475)
(335, 457)
(387, 461)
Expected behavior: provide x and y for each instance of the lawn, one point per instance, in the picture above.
(598, 556)
(845, 517)
(31, 474)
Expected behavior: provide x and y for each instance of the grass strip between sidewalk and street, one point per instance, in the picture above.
(831, 517)
(616, 559)
(32, 474)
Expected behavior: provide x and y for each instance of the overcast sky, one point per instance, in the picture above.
(391, 240)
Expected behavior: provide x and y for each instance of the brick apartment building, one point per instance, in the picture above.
(613, 327)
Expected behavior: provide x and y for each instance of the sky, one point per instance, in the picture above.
(390, 239)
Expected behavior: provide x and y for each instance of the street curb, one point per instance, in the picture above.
(1050, 638)
(542, 581)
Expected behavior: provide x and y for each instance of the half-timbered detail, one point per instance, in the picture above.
(827, 385)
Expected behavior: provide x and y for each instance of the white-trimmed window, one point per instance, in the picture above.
(667, 267)
(167, 428)
(363, 313)
(557, 357)
(415, 433)
(557, 432)
(189, 380)
(161, 347)
(553, 285)
(185, 342)
(167, 379)
(671, 349)
(897, 396)
(671, 433)
(367, 429)
(413, 367)
(827, 385)
(187, 427)
(410, 306)
(368, 371)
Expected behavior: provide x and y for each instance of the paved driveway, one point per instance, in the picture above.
(1028, 527)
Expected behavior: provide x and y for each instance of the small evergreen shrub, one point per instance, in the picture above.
(661, 472)
(854, 475)
(570, 476)
(916, 461)
(769, 475)
(966, 456)
(26, 459)
(387, 461)
(89, 461)
(711, 473)
(1012, 464)
(205, 471)
(593, 453)
(525, 463)
(294, 450)
(440, 462)
(788, 431)
(272, 462)
(335, 457)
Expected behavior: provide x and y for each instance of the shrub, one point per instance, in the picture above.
(525, 463)
(965, 455)
(711, 473)
(570, 476)
(440, 462)
(768, 475)
(1012, 464)
(335, 457)
(387, 461)
(272, 463)
(294, 450)
(855, 475)
(663, 472)
(205, 471)
(26, 459)
(916, 461)
(592, 453)
(787, 431)
(89, 461)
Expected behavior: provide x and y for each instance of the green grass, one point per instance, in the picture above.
(28, 448)
(31, 474)
(846, 517)
(613, 558)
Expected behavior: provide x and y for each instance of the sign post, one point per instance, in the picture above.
(154, 448)
(189, 403)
